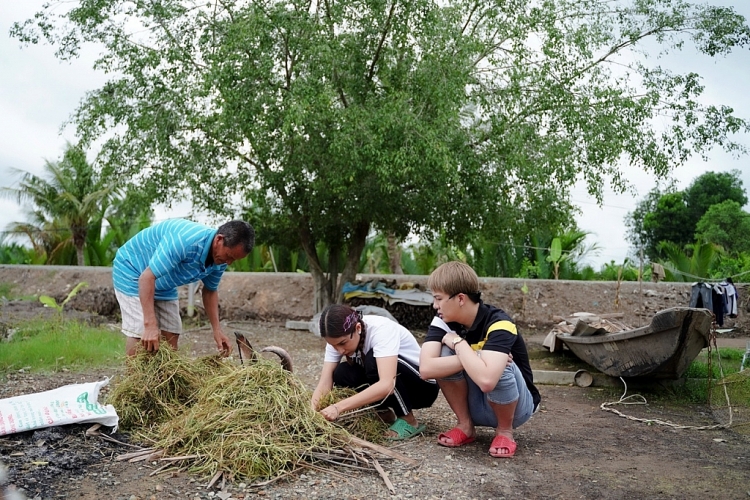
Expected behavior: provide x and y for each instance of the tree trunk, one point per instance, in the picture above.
(79, 240)
(328, 285)
(394, 254)
(355, 247)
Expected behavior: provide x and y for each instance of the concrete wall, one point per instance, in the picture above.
(280, 296)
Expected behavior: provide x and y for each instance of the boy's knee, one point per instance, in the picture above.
(506, 391)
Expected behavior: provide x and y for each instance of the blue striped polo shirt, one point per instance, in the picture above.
(175, 250)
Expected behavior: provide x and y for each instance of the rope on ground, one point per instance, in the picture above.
(640, 400)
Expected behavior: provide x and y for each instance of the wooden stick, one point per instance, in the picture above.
(112, 440)
(128, 456)
(383, 450)
(93, 430)
(322, 470)
(273, 480)
(161, 469)
(214, 479)
(148, 458)
(382, 473)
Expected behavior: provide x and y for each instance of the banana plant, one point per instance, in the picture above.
(556, 256)
(51, 302)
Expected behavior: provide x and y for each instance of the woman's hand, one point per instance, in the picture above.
(330, 413)
(314, 401)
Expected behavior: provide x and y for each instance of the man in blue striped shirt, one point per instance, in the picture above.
(149, 267)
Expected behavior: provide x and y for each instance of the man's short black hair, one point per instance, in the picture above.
(238, 232)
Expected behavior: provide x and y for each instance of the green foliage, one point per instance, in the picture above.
(374, 259)
(694, 261)
(625, 271)
(426, 256)
(555, 256)
(727, 225)
(636, 234)
(437, 119)
(674, 216)
(51, 302)
(64, 203)
(670, 221)
(725, 266)
(45, 346)
(6, 290)
(697, 374)
(13, 253)
(713, 188)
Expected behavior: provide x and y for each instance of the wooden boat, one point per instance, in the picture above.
(661, 350)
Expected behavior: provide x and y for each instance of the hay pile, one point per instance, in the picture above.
(361, 423)
(249, 422)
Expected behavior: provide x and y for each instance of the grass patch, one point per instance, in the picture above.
(728, 357)
(8, 290)
(696, 387)
(53, 345)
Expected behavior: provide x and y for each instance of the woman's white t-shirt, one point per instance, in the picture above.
(385, 338)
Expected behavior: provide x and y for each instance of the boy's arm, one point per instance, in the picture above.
(483, 367)
(431, 365)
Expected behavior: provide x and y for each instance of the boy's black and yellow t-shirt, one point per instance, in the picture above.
(493, 330)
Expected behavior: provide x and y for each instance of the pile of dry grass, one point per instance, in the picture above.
(252, 421)
(361, 423)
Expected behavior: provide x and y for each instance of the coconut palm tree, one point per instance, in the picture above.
(69, 196)
(691, 262)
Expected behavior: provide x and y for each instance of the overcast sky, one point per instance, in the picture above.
(38, 93)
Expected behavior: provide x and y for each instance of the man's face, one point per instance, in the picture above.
(447, 306)
(223, 254)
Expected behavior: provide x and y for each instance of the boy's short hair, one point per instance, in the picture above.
(454, 277)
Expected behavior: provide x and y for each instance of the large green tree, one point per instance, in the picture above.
(670, 221)
(725, 224)
(712, 188)
(64, 203)
(334, 118)
(673, 215)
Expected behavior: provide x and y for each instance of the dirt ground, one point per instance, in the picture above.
(569, 449)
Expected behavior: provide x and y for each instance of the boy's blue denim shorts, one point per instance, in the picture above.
(511, 387)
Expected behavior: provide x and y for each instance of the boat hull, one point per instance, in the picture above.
(661, 350)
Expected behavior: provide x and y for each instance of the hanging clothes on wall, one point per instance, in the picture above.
(718, 296)
(711, 297)
(700, 296)
(732, 298)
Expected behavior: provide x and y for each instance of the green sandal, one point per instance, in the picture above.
(404, 430)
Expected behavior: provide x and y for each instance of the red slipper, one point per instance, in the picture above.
(501, 442)
(456, 435)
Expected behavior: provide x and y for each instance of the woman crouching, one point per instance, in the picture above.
(382, 364)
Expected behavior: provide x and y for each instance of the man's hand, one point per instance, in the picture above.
(150, 339)
(222, 343)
